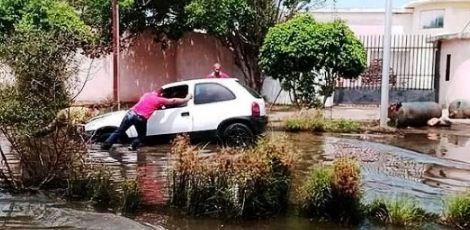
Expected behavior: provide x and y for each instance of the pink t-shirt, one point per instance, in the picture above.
(148, 103)
(221, 75)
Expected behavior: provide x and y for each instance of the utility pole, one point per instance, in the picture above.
(386, 65)
(116, 46)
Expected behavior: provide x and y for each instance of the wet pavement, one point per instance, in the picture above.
(425, 164)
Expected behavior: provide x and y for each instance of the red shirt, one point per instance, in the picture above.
(221, 75)
(148, 103)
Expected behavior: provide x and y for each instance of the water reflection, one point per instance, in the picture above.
(425, 166)
(399, 169)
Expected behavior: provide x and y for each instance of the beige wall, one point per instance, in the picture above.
(146, 66)
(458, 86)
(405, 21)
(457, 15)
(368, 22)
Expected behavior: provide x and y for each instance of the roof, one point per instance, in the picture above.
(452, 36)
(359, 10)
(198, 80)
(416, 3)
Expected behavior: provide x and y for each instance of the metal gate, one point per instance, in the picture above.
(414, 73)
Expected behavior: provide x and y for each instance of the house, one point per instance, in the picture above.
(430, 58)
(444, 24)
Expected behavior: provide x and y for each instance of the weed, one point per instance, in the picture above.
(333, 192)
(232, 183)
(457, 210)
(402, 212)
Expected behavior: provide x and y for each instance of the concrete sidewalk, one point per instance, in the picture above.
(357, 113)
(337, 112)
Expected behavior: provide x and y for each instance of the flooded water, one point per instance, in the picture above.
(426, 165)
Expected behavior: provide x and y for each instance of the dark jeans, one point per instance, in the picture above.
(131, 119)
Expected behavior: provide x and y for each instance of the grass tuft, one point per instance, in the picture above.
(402, 212)
(233, 183)
(457, 210)
(333, 193)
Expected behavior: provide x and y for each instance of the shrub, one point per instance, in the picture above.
(232, 183)
(320, 124)
(457, 210)
(333, 192)
(307, 57)
(131, 196)
(44, 68)
(403, 212)
(317, 192)
(100, 188)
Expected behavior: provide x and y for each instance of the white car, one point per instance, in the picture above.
(222, 109)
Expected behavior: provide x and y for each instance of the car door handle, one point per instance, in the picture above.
(185, 114)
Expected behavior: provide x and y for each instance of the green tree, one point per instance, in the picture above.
(39, 40)
(241, 26)
(43, 15)
(308, 56)
(166, 19)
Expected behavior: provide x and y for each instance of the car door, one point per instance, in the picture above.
(213, 103)
(171, 119)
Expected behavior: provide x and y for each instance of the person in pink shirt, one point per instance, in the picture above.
(138, 115)
(217, 73)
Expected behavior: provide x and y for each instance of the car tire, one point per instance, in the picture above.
(238, 135)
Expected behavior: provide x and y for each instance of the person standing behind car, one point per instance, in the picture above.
(217, 73)
(138, 115)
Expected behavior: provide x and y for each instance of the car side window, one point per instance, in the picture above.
(212, 92)
(175, 92)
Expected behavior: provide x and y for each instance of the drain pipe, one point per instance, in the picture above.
(386, 65)
(116, 48)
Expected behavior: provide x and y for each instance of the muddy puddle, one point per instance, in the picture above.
(426, 166)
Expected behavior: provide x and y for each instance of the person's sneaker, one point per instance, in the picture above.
(132, 148)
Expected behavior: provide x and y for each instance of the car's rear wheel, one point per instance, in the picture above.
(238, 135)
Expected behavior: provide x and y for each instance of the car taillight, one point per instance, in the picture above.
(255, 110)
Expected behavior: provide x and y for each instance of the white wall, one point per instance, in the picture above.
(457, 14)
(368, 22)
(458, 86)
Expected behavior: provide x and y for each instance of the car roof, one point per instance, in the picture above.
(200, 80)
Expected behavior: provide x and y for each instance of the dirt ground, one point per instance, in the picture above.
(358, 113)
(366, 113)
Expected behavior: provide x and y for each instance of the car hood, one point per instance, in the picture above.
(112, 119)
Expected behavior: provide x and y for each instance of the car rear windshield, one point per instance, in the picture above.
(251, 91)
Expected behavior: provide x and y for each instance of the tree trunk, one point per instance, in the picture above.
(246, 59)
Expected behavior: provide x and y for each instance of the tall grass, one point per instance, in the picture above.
(320, 124)
(233, 183)
(402, 212)
(457, 210)
(103, 191)
(333, 192)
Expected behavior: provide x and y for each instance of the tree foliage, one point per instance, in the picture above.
(241, 25)
(166, 19)
(43, 15)
(38, 42)
(308, 56)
